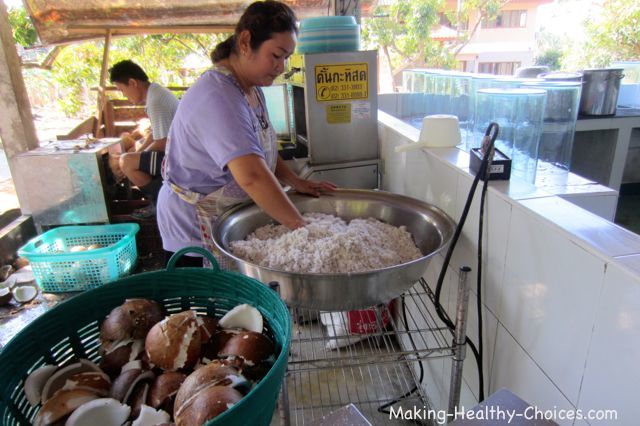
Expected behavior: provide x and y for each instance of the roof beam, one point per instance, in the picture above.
(150, 29)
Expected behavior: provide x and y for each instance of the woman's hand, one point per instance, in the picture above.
(313, 187)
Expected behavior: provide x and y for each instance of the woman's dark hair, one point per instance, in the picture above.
(124, 70)
(261, 19)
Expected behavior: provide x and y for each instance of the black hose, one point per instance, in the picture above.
(488, 149)
(479, 289)
(488, 142)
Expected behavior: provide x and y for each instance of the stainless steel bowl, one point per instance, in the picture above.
(431, 228)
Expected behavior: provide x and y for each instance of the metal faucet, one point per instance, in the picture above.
(291, 72)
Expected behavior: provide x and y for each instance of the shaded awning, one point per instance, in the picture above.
(64, 21)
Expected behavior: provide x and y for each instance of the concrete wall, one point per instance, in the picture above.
(631, 172)
(501, 35)
(502, 44)
(526, 34)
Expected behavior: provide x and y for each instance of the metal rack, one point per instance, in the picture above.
(329, 369)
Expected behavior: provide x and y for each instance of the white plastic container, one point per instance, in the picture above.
(438, 131)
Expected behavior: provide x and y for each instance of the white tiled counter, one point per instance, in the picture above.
(561, 285)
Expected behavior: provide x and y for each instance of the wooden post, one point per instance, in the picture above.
(101, 88)
(17, 130)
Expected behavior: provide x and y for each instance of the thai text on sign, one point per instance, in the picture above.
(339, 82)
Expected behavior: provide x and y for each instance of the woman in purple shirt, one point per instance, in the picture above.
(221, 148)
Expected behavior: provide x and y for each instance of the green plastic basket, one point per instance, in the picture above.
(56, 269)
(71, 329)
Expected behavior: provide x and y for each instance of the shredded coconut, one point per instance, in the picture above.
(327, 244)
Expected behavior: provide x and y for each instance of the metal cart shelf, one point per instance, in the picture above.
(328, 369)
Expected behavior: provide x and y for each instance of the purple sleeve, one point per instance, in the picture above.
(224, 126)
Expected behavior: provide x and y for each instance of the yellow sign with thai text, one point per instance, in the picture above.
(338, 114)
(342, 82)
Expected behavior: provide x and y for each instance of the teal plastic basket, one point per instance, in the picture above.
(58, 270)
(71, 330)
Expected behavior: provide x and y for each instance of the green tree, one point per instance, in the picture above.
(75, 71)
(550, 49)
(402, 31)
(77, 67)
(24, 33)
(613, 33)
(551, 58)
(480, 10)
(162, 55)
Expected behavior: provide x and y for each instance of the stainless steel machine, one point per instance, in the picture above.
(67, 182)
(334, 116)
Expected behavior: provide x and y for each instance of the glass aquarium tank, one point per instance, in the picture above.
(520, 114)
(560, 116)
(433, 92)
(629, 95)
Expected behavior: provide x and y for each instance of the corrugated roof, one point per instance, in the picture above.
(64, 21)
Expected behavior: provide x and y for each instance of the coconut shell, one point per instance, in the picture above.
(34, 383)
(5, 271)
(59, 378)
(208, 327)
(218, 340)
(118, 355)
(131, 320)
(25, 293)
(252, 347)
(101, 411)
(206, 405)
(124, 384)
(138, 397)
(174, 343)
(164, 389)
(62, 404)
(98, 383)
(214, 373)
(257, 372)
(148, 416)
(5, 296)
(20, 262)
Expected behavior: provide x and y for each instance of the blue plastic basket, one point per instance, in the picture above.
(56, 269)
